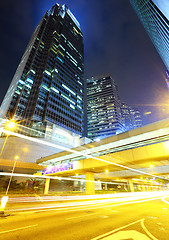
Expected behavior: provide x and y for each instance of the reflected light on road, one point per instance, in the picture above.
(95, 201)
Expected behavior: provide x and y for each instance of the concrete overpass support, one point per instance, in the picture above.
(98, 185)
(47, 182)
(130, 185)
(89, 183)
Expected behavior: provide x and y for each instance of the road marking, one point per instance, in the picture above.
(114, 211)
(117, 229)
(104, 216)
(22, 213)
(17, 229)
(163, 199)
(130, 234)
(88, 214)
(81, 216)
(162, 229)
(146, 230)
(152, 217)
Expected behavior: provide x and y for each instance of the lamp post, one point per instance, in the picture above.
(10, 125)
(16, 158)
(4, 199)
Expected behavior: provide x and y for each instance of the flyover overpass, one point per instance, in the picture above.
(142, 151)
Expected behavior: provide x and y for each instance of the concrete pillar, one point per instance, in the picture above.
(143, 188)
(47, 182)
(105, 186)
(98, 185)
(130, 185)
(53, 132)
(89, 185)
(73, 139)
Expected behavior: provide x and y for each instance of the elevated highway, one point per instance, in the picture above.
(142, 151)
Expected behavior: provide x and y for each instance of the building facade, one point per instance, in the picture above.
(126, 116)
(47, 90)
(136, 118)
(154, 15)
(131, 117)
(103, 108)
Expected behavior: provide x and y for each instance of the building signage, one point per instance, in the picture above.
(58, 168)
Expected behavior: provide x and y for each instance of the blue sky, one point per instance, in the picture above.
(114, 42)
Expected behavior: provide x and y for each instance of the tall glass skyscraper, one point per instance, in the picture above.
(154, 15)
(48, 86)
(103, 108)
(131, 117)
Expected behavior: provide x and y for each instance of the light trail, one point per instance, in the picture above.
(98, 203)
(73, 151)
(80, 207)
(59, 178)
(112, 197)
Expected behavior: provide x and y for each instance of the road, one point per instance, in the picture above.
(108, 219)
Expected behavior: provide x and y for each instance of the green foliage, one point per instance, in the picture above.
(13, 185)
(30, 184)
(1, 176)
(34, 185)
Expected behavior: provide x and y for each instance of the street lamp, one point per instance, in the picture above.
(4, 199)
(16, 158)
(10, 125)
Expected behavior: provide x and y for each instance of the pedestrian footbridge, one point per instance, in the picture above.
(138, 152)
(142, 148)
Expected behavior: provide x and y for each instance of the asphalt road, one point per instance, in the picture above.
(108, 219)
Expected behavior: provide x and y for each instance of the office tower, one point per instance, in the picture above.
(136, 118)
(103, 108)
(126, 116)
(154, 15)
(47, 90)
(131, 117)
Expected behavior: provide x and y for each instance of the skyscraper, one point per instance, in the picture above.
(126, 116)
(103, 108)
(136, 118)
(131, 117)
(48, 86)
(154, 15)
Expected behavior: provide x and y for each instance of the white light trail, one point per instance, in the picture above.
(73, 151)
(95, 202)
(59, 178)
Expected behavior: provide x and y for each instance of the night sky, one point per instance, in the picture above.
(115, 42)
